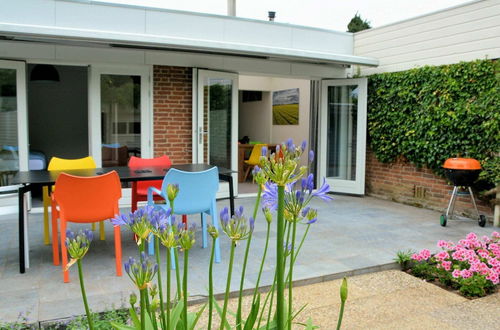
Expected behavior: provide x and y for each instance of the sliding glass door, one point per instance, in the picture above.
(343, 134)
(13, 120)
(120, 120)
(216, 127)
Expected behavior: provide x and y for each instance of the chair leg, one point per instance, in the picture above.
(64, 253)
(46, 203)
(118, 250)
(134, 197)
(185, 221)
(101, 231)
(55, 243)
(247, 172)
(151, 245)
(204, 230)
(172, 259)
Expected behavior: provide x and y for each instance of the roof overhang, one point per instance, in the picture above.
(98, 38)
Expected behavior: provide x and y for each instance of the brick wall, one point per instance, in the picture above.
(398, 181)
(172, 113)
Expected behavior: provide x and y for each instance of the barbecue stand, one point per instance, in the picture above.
(462, 172)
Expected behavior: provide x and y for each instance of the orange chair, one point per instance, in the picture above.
(140, 188)
(85, 200)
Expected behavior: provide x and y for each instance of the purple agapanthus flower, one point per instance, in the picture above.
(263, 151)
(303, 145)
(270, 196)
(311, 156)
(322, 192)
(289, 145)
(224, 216)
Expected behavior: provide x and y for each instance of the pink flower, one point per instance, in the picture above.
(465, 273)
(441, 255)
(456, 273)
(493, 277)
(425, 254)
(495, 234)
(416, 256)
(471, 236)
(446, 265)
(483, 253)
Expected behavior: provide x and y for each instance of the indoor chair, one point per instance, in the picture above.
(61, 164)
(197, 193)
(140, 188)
(84, 200)
(254, 158)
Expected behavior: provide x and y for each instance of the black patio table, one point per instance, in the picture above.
(31, 179)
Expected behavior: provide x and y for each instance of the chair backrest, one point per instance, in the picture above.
(140, 162)
(197, 190)
(158, 161)
(256, 153)
(60, 164)
(88, 199)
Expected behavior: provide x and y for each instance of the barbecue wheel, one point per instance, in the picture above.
(482, 220)
(444, 219)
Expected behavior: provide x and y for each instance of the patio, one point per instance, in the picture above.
(353, 236)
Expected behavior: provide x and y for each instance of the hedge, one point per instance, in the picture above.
(433, 113)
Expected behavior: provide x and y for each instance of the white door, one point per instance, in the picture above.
(343, 134)
(13, 120)
(215, 133)
(120, 114)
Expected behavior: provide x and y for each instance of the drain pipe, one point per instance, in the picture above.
(231, 7)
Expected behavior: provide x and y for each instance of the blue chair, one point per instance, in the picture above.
(197, 192)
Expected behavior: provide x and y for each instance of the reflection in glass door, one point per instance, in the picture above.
(120, 114)
(344, 134)
(13, 124)
(120, 118)
(217, 119)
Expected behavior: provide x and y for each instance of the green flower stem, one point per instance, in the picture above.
(271, 291)
(228, 285)
(168, 287)
(290, 286)
(270, 307)
(84, 295)
(261, 264)
(211, 285)
(341, 314)
(242, 281)
(177, 273)
(280, 287)
(143, 308)
(185, 288)
(160, 290)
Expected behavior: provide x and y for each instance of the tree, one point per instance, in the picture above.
(357, 24)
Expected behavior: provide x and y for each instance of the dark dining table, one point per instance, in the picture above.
(28, 180)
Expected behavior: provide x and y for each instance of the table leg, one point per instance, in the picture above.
(21, 230)
(27, 206)
(229, 179)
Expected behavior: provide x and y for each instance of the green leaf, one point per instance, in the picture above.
(135, 319)
(219, 311)
(176, 314)
(254, 312)
(196, 317)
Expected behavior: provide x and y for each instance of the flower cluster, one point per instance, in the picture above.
(78, 244)
(142, 271)
(237, 227)
(468, 258)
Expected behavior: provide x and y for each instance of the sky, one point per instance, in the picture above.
(327, 14)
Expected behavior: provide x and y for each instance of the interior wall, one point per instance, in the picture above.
(254, 119)
(58, 114)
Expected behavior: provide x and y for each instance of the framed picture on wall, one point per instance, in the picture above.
(286, 107)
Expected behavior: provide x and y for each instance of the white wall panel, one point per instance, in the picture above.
(324, 41)
(462, 33)
(35, 12)
(100, 17)
(258, 33)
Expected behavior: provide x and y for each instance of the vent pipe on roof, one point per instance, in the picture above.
(271, 15)
(231, 7)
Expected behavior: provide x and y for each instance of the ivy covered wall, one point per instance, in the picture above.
(433, 113)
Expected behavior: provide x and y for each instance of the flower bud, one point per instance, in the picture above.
(133, 299)
(172, 191)
(343, 290)
(267, 214)
(213, 231)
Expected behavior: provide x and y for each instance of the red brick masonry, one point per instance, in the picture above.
(398, 181)
(172, 114)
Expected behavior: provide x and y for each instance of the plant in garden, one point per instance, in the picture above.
(77, 246)
(472, 265)
(285, 189)
(403, 258)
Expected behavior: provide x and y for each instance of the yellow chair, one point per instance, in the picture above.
(254, 158)
(61, 164)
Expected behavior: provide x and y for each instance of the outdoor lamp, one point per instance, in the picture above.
(44, 73)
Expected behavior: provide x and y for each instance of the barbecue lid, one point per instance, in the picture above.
(462, 164)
